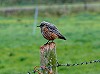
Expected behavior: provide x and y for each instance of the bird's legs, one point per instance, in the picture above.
(47, 42)
(52, 40)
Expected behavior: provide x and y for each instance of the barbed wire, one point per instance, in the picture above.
(77, 64)
(38, 68)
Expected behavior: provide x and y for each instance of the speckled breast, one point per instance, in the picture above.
(48, 34)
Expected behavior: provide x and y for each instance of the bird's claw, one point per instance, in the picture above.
(46, 43)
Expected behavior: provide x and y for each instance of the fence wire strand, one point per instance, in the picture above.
(67, 65)
(77, 64)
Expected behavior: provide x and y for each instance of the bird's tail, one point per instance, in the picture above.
(62, 37)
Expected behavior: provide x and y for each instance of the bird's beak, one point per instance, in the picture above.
(38, 26)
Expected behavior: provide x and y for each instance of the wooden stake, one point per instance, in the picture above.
(48, 58)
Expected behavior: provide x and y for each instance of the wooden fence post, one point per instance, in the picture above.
(48, 58)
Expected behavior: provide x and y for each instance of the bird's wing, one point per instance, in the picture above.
(53, 29)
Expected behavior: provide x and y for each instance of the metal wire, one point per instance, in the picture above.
(77, 64)
(67, 65)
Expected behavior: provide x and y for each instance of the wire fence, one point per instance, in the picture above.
(78, 64)
(38, 69)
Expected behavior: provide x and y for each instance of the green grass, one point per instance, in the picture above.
(19, 48)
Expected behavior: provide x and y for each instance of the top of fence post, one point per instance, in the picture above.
(48, 58)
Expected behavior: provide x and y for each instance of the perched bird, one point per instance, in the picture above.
(50, 32)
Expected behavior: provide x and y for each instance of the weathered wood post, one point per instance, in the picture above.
(48, 58)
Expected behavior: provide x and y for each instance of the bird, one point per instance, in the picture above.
(50, 32)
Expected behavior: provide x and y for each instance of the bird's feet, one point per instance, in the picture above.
(46, 43)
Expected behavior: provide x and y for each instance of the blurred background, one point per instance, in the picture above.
(20, 39)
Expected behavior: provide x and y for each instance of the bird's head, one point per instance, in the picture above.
(43, 24)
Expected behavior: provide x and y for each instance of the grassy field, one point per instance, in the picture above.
(19, 48)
